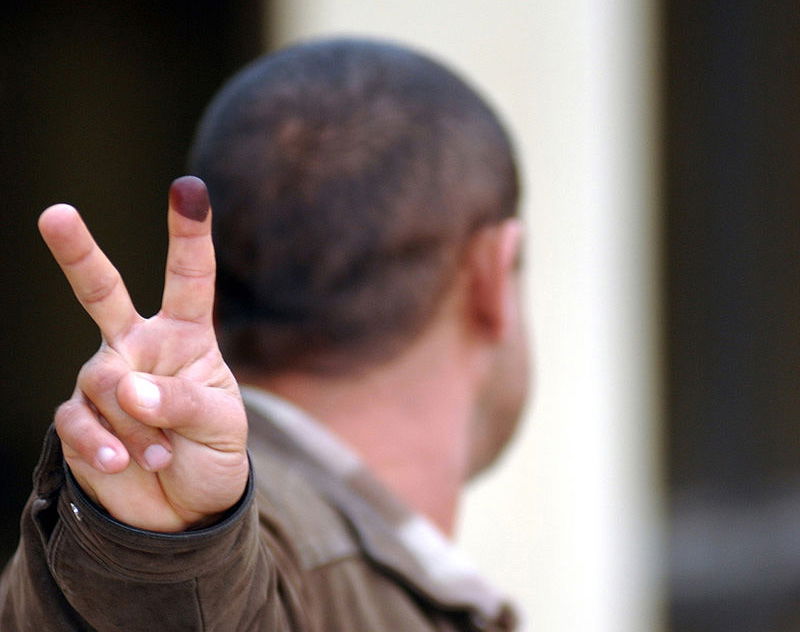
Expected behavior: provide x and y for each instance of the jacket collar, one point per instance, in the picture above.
(391, 535)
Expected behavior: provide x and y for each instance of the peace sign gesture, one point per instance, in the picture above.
(155, 431)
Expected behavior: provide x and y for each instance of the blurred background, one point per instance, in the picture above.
(655, 485)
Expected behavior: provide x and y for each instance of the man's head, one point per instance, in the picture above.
(364, 201)
(346, 177)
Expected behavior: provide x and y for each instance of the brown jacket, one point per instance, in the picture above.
(311, 546)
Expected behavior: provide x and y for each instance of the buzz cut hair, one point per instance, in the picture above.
(346, 177)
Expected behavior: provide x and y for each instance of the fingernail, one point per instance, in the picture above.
(156, 456)
(189, 197)
(105, 456)
(147, 393)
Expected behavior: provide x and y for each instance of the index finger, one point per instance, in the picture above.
(96, 282)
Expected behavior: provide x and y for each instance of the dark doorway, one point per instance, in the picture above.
(98, 102)
(732, 141)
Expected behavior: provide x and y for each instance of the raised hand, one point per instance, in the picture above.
(155, 431)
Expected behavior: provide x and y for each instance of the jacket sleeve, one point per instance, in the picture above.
(76, 568)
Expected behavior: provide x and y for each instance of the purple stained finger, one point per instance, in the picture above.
(188, 195)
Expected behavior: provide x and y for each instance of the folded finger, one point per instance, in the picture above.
(147, 445)
(95, 281)
(85, 438)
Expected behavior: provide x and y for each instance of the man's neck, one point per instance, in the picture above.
(408, 421)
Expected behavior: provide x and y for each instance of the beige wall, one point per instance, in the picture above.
(568, 524)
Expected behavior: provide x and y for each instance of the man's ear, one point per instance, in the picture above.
(493, 262)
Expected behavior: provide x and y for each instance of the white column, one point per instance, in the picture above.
(569, 523)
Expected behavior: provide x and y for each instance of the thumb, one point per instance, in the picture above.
(206, 414)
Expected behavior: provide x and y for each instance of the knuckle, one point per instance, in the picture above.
(98, 375)
(63, 416)
(188, 270)
(73, 427)
(100, 288)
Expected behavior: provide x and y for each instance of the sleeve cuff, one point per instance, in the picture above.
(143, 554)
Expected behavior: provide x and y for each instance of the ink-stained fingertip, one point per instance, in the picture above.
(188, 196)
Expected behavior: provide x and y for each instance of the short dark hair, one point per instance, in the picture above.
(345, 177)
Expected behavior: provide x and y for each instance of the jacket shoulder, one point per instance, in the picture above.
(287, 500)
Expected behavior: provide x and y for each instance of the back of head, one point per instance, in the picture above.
(346, 177)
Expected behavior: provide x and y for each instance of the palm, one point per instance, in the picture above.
(199, 417)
